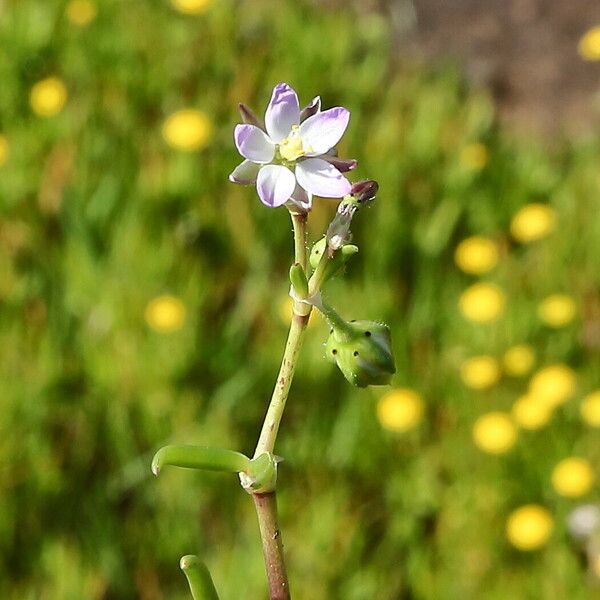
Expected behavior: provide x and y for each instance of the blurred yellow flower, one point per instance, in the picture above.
(557, 310)
(529, 527)
(529, 413)
(165, 313)
(533, 222)
(518, 360)
(474, 156)
(480, 372)
(400, 410)
(187, 130)
(476, 255)
(482, 302)
(553, 385)
(589, 44)
(81, 12)
(573, 477)
(590, 409)
(48, 97)
(494, 433)
(3, 149)
(191, 7)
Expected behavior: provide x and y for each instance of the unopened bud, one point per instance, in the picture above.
(338, 232)
(362, 351)
(365, 191)
(343, 165)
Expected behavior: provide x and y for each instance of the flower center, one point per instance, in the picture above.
(291, 147)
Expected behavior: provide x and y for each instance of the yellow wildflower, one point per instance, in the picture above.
(590, 409)
(573, 477)
(557, 310)
(518, 360)
(400, 410)
(480, 372)
(494, 433)
(529, 413)
(476, 255)
(81, 12)
(48, 97)
(191, 7)
(482, 302)
(554, 384)
(187, 130)
(3, 149)
(165, 314)
(474, 156)
(589, 44)
(529, 527)
(533, 222)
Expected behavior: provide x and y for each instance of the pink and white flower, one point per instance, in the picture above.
(292, 157)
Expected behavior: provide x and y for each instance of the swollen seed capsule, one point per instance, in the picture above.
(362, 350)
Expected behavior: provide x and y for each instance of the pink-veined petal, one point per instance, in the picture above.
(283, 112)
(323, 130)
(253, 144)
(245, 173)
(275, 184)
(319, 177)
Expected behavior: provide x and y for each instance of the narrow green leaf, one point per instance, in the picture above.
(199, 579)
(197, 457)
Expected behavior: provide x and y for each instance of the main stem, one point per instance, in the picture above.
(266, 504)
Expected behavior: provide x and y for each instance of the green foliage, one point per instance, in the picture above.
(99, 215)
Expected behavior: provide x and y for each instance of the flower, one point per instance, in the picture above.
(292, 156)
(165, 314)
(589, 44)
(187, 130)
(529, 413)
(583, 521)
(474, 156)
(529, 527)
(518, 360)
(480, 372)
(482, 302)
(573, 477)
(476, 255)
(48, 97)
(590, 409)
(191, 7)
(557, 310)
(553, 385)
(533, 222)
(81, 12)
(494, 433)
(400, 410)
(4, 149)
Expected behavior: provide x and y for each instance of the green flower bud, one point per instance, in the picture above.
(298, 280)
(199, 579)
(362, 351)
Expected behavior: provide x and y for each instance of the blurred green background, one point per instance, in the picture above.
(143, 301)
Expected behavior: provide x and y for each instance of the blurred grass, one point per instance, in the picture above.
(99, 216)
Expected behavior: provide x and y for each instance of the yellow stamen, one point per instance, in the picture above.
(291, 147)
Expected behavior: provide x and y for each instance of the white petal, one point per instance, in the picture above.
(301, 198)
(245, 173)
(321, 178)
(275, 184)
(283, 112)
(253, 143)
(323, 131)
